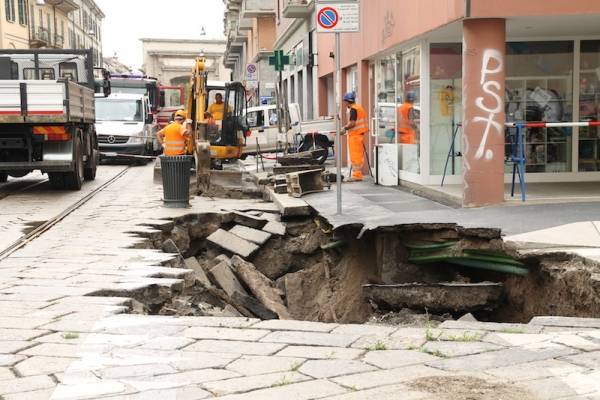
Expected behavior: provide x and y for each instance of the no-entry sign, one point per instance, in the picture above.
(339, 16)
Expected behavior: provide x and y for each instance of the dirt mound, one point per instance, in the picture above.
(468, 388)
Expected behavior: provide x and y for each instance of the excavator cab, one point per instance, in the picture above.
(231, 138)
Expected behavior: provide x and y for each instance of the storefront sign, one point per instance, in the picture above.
(337, 17)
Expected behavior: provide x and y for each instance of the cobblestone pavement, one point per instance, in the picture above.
(60, 339)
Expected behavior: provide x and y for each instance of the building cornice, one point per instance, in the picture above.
(199, 41)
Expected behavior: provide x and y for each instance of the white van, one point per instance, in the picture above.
(125, 125)
(264, 129)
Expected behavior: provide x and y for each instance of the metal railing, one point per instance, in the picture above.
(40, 36)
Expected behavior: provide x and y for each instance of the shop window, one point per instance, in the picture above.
(446, 107)
(589, 105)
(408, 109)
(539, 87)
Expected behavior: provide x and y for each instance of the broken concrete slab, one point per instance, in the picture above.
(169, 246)
(199, 273)
(261, 286)
(274, 227)
(248, 220)
(226, 279)
(294, 168)
(437, 297)
(253, 305)
(270, 216)
(251, 234)
(288, 206)
(233, 243)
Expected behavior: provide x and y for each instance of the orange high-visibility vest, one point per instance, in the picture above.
(174, 140)
(405, 124)
(362, 121)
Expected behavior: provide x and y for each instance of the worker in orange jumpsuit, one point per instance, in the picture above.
(406, 123)
(356, 128)
(173, 136)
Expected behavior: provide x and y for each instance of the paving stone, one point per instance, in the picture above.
(387, 359)
(199, 273)
(180, 393)
(501, 358)
(258, 365)
(491, 326)
(230, 346)
(321, 352)
(53, 350)
(8, 360)
(147, 370)
(221, 322)
(225, 333)
(249, 220)
(329, 368)
(457, 349)
(22, 322)
(589, 360)
(364, 330)
(393, 342)
(251, 234)
(21, 334)
(166, 343)
(248, 383)
(297, 391)
(41, 365)
(566, 322)
(6, 373)
(565, 386)
(309, 338)
(233, 243)
(188, 360)
(43, 394)
(383, 393)
(180, 379)
(370, 380)
(576, 342)
(26, 384)
(535, 370)
(290, 325)
(9, 347)
(88, 390)
(226, 279)
(517, 339)
(275, 228)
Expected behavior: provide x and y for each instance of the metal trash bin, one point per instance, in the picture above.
(176, 172)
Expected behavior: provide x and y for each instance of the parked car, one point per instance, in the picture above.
(125, 125)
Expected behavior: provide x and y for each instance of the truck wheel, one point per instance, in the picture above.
(89, 172)
(57, 180)
(3, 177)
(74, 179)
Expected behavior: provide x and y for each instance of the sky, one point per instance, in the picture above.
(129, 20)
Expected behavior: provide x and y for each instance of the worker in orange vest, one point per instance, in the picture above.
(406, 123)
(356, 128)
(173, 137)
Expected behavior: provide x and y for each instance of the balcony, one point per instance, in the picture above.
(298, 8)
(258, 8)
(65, 6)
(59, 42)
(39, 38)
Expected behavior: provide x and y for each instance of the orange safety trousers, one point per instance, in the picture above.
(357, 154)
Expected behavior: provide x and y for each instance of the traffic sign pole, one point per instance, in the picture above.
(338, 128)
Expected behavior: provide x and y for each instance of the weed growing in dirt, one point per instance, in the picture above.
(379, 345)
(436, 353)
(282, 382)
(296, 366)
(431, 336)
(512, 330)
(465, 337)
(331, 355)
(70, 335)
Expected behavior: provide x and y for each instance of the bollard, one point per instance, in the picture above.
(176, 180)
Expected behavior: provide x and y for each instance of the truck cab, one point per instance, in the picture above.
(125, 125)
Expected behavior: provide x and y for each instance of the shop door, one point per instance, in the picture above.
(384, 122)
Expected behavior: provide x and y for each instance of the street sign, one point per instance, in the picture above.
(279, 60)
(253, 84)
(338, 17)
(251, 72)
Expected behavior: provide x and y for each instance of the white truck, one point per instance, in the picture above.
(47, 115)
(125, 126)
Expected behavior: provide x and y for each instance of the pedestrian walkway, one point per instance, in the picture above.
(65, 332)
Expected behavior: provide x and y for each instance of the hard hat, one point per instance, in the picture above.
(411, 95)
(180, 114)
(350, 97)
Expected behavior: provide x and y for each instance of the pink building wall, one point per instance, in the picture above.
(519, 8)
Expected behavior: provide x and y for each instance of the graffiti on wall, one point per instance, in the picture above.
(491, 104)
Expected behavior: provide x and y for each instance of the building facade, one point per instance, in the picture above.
(55, 24)
(172, 60)
(250, 31)
(467, 68)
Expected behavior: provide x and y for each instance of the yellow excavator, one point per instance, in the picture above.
(215, 142)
